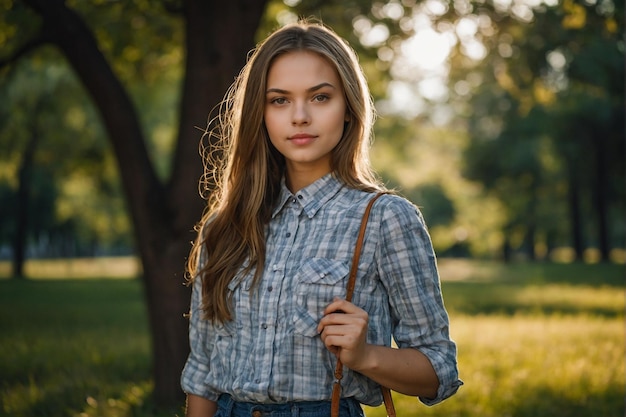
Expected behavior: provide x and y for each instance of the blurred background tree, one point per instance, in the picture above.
(152, 70)
(58, 175)
(503, 120)
(546, 123)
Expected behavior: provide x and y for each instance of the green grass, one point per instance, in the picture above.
(535, 340)
(73, 346)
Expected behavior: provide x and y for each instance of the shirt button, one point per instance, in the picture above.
(264, 326)
(257, 381)
(299, 196)
(288, 234)
(293, 200)
(270, 288)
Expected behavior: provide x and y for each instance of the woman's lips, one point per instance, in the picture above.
(301, 138)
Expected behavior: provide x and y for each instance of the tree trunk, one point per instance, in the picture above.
(506, 244)
(25, 175)
(530, 240)
(575, 211)
(531, 223)
(601, 181)
(219, 35)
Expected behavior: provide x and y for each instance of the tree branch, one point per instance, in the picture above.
(174, 7)
(68, 31)
(29, 46)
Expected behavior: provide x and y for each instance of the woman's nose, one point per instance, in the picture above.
(300, 114)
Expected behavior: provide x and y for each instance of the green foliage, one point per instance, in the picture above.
(141, 38)
(439, 210)
(144, 42)
(43, 99)
(422, 163)
(47, 113)
(545, 100)
(548, 107)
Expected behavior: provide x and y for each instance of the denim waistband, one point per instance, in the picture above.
(227, 407)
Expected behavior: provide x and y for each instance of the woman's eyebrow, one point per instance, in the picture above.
(311, 89)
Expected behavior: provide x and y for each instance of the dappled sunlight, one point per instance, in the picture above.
(122, 267)
(131, 399)
(532, 289)
(460, 269)
(531, 366)
(564, 299)
(534, 340)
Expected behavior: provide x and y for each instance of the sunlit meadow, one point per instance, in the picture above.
(535, 340)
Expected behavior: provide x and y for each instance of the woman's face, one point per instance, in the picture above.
(305, 112)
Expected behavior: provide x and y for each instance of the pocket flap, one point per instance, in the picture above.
(323, 271)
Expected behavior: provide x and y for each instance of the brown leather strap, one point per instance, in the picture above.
(335, 399)
(391, 410)
(358, 247)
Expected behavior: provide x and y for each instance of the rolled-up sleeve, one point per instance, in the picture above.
(197, 367)
(408, 268)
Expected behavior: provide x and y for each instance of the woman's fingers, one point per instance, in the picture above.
(343, 330)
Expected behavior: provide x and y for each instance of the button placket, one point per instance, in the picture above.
(269, 314)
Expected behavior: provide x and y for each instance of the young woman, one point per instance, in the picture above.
(270, 264)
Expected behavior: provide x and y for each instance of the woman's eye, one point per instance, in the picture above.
(278, 100)
(320, 98)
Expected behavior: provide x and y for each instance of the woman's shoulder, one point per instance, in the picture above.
(392, 207)
(390, 204)
(396, 203)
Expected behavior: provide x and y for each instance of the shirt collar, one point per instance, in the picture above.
(312, 197)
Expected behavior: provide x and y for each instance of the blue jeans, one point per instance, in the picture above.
(226, 407)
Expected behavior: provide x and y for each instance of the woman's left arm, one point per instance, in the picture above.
(425, 363)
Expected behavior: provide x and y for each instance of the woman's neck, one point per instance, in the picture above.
(297, 179)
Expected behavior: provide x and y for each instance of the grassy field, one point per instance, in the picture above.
(535, 340)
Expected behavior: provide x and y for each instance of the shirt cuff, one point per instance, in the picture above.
(192, 381)
(443, 392)
(447, 373)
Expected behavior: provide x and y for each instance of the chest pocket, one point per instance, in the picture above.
(319, 281)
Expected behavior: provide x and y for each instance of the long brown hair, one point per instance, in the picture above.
(246, 170)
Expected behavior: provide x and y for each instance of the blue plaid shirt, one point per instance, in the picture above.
(271, 351)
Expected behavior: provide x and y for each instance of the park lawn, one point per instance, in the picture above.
(533, 367)
(534, 340)
(72, 346)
